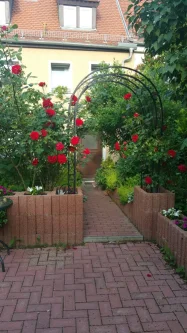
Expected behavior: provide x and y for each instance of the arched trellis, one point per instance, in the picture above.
(124, 76)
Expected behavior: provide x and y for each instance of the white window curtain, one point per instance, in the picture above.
(85, 18)
(60, 76)
(2, 13)
(70, 17)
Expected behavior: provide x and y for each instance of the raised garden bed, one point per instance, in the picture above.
(171, 236)
(44, 219)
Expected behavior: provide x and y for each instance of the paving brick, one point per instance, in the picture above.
(123, 328)
(56, 311)
(114, 320)
(82, 325)
(182, 318)
(80, 296)
(175, 327)
(161, 326)
(105, 309)
(144, 315)
(62, 322)
(43, 320)
(11, 326)
(75, 314)
(24, 316)
(87, 306)
(103, 329)
(115, 301)
(29, 326)
(94, 317)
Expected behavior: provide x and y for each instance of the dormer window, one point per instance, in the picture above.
(75, 14)
(5, 12)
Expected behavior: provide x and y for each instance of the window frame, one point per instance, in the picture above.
(8, 10)
(60, 62)
(61, 17)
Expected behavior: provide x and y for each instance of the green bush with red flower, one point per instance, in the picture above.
(127, 128)
(36, 140)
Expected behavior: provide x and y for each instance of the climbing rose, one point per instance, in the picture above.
(125, 142)
(16, 69)
(62, 159)
(49, 123)
(74, 100)
(71, 149)
(42, 84)
(136, 115)
(88, 99)
(52, 159)
(86, 151)
(135, 137)
(4, 28)
(35, 161)
(59, 146)
(75, 140)
(148, 180)
(164, 127)
(172, 153)
(117, 146)
(47, 103)
(182, 168)
(50, 112)
(44, 132)
(79, 122)
(34, 135)
(127, 96)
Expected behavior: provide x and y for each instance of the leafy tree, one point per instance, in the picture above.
(163, 26)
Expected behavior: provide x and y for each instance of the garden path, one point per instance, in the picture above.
(103, 219)
(96, 288)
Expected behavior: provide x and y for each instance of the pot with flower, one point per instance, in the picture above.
(172, 233)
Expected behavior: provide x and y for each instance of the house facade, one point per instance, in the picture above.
(64, 40)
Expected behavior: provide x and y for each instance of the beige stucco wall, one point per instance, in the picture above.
(38, 62)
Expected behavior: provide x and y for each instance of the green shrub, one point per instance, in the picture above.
(102, 173)
(124, 192)
(100, 178)
(111, 179)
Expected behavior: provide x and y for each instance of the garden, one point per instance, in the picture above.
(39, 141)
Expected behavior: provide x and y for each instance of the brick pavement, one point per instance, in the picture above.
(104, 219)
(94, 288)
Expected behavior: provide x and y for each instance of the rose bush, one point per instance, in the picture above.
(34, 133)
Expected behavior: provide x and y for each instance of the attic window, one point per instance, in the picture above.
(75, 14)
(5, 9)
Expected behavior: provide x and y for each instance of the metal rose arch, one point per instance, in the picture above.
(124, 76)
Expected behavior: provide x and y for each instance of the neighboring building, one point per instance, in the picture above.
(63, 40)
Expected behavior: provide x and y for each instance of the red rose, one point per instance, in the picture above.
(79, 122)
(75, 140)
(74, 100)
(62, 159)
(86, 151)
(148, 180)
(16, 69)
(117, 146)
(35, 161)
(135, 137)
(127, 96)
(4, 28)
(125, 142)
(125, 148)
(182, 168)
(172, 153)
(47, 103)
(49, 123)
(136, 115)
(59, 146)
(34, 135)
(88, 99)
(42, 84)
(52, 159)
(50, 112)
(71, 149)
(44, 132)
(164, 127)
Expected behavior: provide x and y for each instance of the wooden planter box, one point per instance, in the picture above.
(146, 207)
(45, 219)
(126, 209)
(170, 235)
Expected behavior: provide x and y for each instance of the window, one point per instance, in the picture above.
(70, 17)
(2, 13)
(85, 18)
(76, 17)
(60, 75)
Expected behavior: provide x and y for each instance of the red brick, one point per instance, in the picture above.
(175, 327)
(12, 326)
(75, 314)
(105, 309)
(62, 322)
(43, 320)
(144, 315)
(35, 297)
(162, 326)
(80, 296)
(103, 329)
(182, 318)
(56, 311)
(29, 326)
(123, 328)
(7, 313)
(39, 308)
(94, 317)
(24, 316)
(82, 325)
(87, 306)
(115, 301)
(114, 320)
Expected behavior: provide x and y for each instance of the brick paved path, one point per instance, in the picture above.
(93, 289)
(104, 219)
